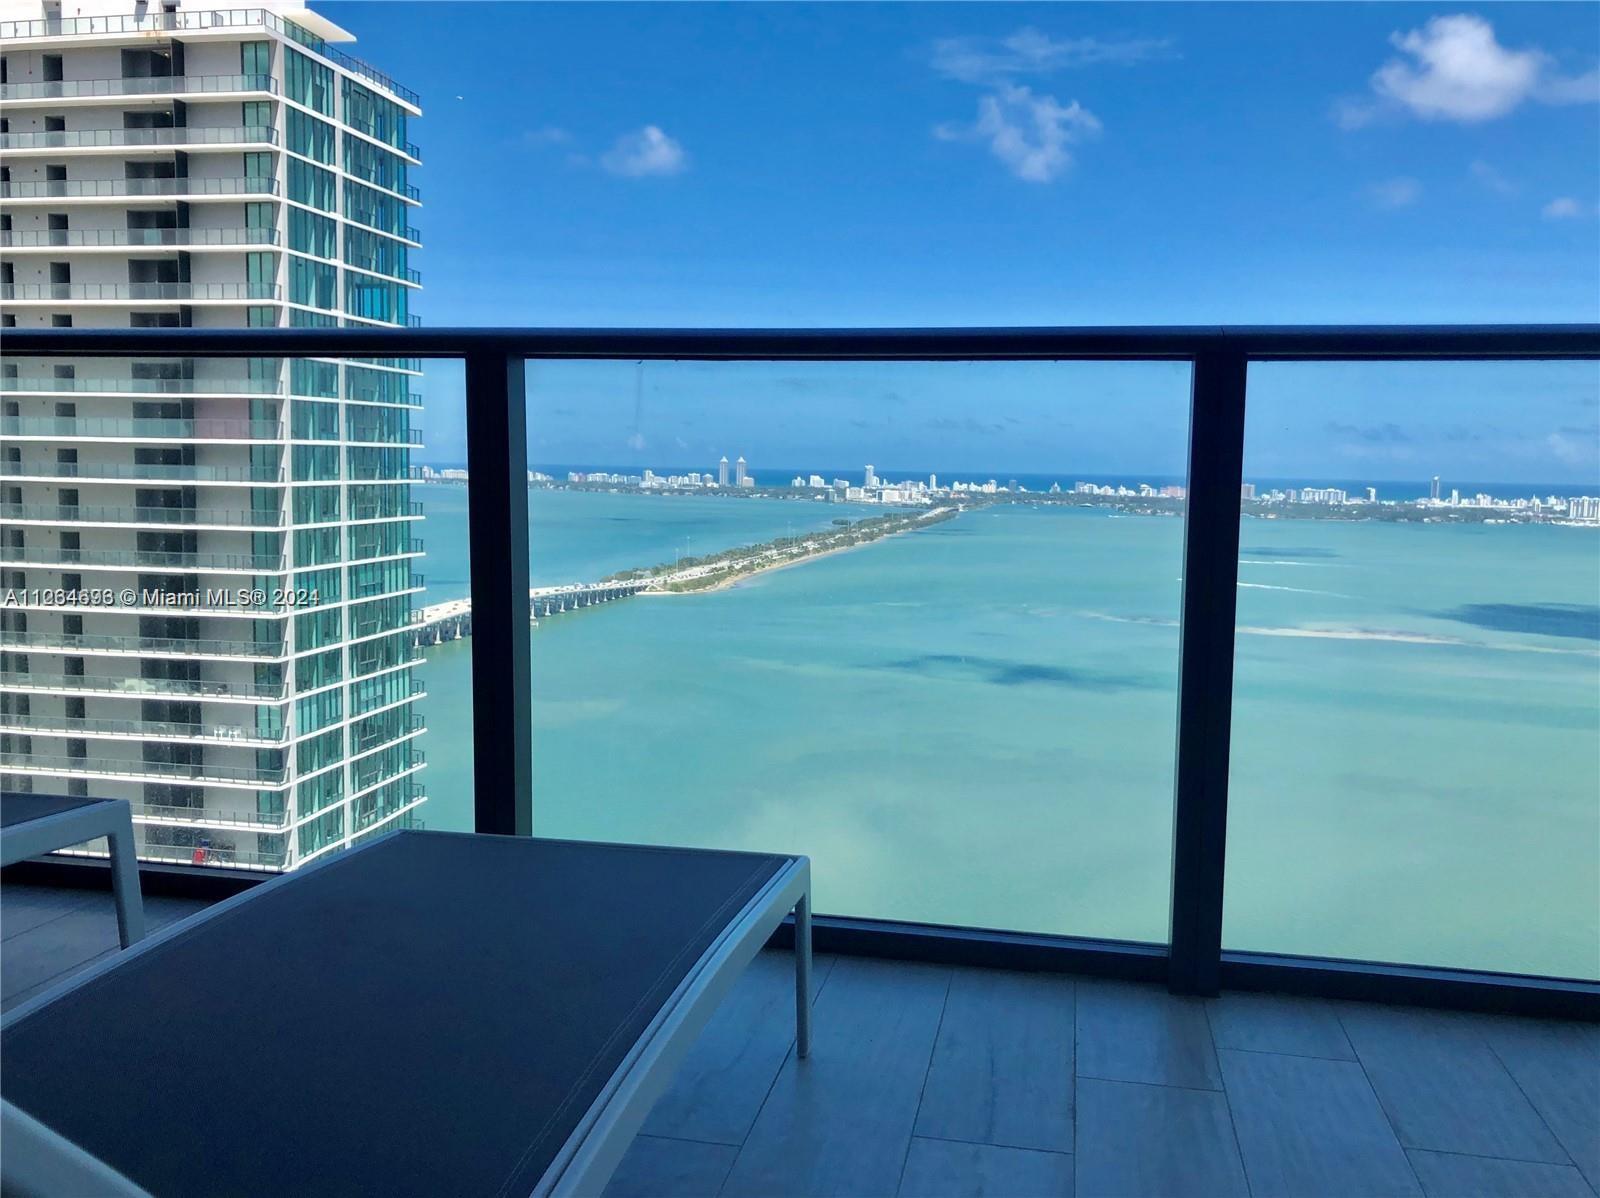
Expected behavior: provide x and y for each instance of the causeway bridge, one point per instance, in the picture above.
(453, 619)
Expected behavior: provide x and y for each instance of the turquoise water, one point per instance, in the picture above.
(974, 724)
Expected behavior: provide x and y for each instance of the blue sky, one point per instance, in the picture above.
(1003, 164)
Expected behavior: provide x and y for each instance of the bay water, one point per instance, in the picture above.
(974, 724)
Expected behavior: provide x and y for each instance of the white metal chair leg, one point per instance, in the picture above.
(125, 882)
(802, 976)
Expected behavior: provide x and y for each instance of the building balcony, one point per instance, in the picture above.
(131, 645)
(101, 766)
(409, 438)
(218, 137)
(201, 24)
(243, 736)
(39, 385)
(122, 293)
(197, 688)
(161, 85)
(134, 472)
(45, 190)
(115, 428)
(118, 239)
(1032, 982)
(143, 559)
(146, 517)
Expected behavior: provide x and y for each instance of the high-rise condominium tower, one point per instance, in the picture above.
(207, 565)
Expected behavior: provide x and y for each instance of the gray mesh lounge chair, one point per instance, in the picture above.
(32, 825)
(428, 1013)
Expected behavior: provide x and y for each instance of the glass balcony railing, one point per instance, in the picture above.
(158, 85)
(92, 513)
(102, 766)
(60, 725)
(112, 684)
(113, 292)
(121, 643)
(209, 816)
(123, 471)
(146, 386)
(73, 139)
(408, 437)
(224, 855)
(961, 693)
(89, 238)
(198, 21)
(55, 555)
(204, 428)
(34, 189)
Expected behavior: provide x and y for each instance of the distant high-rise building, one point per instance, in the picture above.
(871, 477)
(722, 471)
(210, 165)
(933, 482)
(739, 471)
(1433, 490)
(1372, 494)
(1247, 490)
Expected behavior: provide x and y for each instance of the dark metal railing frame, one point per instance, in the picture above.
(1194, 962)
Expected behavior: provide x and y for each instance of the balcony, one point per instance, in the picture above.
(131, 471)
(162, 85)
(1049, 1047)
(29, 239)
(144, 386)
(101, 766)
(153, 517)
(143, 559)
(165, 188)
(90, 644)
(229, 22)
(236, 735)
(116, 428)
(86, 139)
(107, 684)
(113, 293)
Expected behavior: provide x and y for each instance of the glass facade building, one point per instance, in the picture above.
(213, 558)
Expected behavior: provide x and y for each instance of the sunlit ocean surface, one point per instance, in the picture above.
(974, 724)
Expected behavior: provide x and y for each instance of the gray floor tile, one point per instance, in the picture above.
(1305, 1027)
(719, 1089)
(1450, 1175)
(1557, 1066)
(840, 1122)
(1136, 1140)
(660, 1168)
(1310, 1127)
(1002, 1067)
(1140, 1033)
(948, 1169)
(24, 907)
(1442, 1086)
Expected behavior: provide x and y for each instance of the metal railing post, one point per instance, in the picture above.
(497, 500)
(1205, 670)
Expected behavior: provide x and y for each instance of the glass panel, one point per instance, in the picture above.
(1416, 732)
(949, 677)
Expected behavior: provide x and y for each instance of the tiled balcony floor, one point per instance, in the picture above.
(927, 1080)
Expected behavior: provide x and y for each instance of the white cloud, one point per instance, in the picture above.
(1395, 193)
(1029, 133)
(1492, 179)
(1028, 51)
(646, 151)
(1561, 208)
(1454, 69)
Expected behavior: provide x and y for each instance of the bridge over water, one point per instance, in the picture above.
(452, 619)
